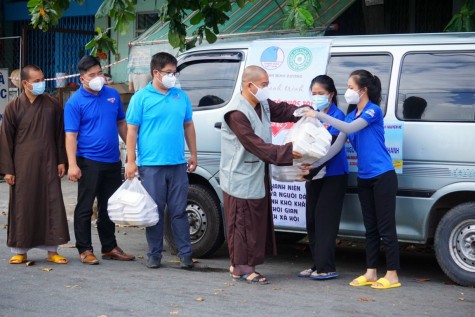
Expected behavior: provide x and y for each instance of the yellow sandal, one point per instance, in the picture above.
(18, 259)
(58, 259)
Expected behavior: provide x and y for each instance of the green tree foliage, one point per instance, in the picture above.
(464, 21)
(208, 15)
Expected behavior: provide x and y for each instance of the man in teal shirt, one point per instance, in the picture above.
(159, 120)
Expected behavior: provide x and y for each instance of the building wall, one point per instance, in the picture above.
(119, 71)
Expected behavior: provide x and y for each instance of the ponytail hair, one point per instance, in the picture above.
(327, 83)
(365, 79)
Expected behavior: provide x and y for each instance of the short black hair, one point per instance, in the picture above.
(86, 62)
(25, 71)
(413, 107)
(160, 60)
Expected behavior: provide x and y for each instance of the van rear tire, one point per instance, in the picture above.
(206, 222)
(454, 244)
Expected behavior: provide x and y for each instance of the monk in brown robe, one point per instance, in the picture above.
(246, 139)
(32, 160)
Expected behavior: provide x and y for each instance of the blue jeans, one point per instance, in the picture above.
(168, 185)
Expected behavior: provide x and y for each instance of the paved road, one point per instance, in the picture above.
(131, 289)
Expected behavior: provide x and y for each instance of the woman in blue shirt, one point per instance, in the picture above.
(377, 181)
(324, 196)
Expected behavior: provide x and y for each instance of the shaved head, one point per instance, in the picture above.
(253, 73)
(253, 79)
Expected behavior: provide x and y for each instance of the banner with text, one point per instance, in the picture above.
(3, 89)
(291, 65)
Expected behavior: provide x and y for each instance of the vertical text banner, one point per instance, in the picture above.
(3, 89)
(291, 65)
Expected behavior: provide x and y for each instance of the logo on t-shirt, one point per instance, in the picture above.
(111, 100)
(370, 112)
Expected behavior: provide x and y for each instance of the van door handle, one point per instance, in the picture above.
(217, 125)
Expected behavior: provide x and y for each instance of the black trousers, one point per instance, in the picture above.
(323, 212)
(99, 180)
(378, 203)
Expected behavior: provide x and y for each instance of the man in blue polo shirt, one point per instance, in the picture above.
(93, 117)
(159, 120)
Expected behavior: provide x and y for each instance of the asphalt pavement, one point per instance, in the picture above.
(115, 288)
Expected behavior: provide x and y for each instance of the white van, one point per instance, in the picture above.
(436, 197)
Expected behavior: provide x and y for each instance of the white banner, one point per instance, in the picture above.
(291, 65)
(3, 89)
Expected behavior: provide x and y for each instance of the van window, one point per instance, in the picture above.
(341, 66)
(220, 71)
(437, 86)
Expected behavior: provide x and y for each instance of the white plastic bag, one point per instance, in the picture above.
(132, 205)
(312, 140)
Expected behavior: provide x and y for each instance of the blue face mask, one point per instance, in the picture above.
(38, 88)
(320, 102)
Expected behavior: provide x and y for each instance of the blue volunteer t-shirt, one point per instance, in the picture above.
(373, 157)
(160, 118)
(338, 165)
(94, 118)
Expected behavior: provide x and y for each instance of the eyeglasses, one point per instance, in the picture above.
(174, 74)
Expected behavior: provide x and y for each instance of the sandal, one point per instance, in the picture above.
(254, 278)
(323, 276)
(362, 281)
(306, 273)
(18, 259)
(58, 259)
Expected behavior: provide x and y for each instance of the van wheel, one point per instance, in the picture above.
(206, 222)
(455, 244)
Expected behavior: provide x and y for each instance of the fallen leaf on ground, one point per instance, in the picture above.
(228, 284)
(30, 263)
(219, 290)
(72, 286)
(276, 288)
(175, 312)
(422, 279)
(366, 299)
(102, 316)
(71, 246)
(200, 299)
(125, 233)
(461, 299)
(4, 213)
(140, 257)
(46, 269)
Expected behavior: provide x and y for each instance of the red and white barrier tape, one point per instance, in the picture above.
(76, 75)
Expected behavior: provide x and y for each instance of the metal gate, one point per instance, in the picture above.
(59, 49)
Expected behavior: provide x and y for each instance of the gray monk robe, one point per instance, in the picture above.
(32, 146)
(249, 222)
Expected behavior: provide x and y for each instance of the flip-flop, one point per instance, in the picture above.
(58, 259)
(362, 281)
(255, 280)
(305, 273)
(18, 259)
(324, 276)
(385, 284)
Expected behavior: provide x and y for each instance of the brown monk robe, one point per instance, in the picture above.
(32, 146)
(249, 222)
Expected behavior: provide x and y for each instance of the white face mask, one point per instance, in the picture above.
(169, 81)
(262, 94)
(97, 83)
(352, 97)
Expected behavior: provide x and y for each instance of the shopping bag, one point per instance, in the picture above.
(311, 139)
(132, 205)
